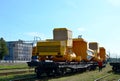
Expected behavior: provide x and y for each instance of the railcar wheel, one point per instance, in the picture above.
(38, 72)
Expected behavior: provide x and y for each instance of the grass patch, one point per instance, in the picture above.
(13, 77)
(13, 65)
(112, 77)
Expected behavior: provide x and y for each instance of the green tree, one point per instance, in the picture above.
(3, 48)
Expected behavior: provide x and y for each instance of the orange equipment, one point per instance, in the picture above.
(94, 46)
(102, 53)
(63, 48)
(80, 48)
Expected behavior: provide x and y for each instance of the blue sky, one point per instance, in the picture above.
(95, 20)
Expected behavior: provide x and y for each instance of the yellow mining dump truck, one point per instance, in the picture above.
(58, 49)
(65, 48)
(80, 49)
(99, 52)
(53, 50)
(102, 53)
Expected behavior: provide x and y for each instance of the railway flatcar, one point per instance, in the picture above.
(64, 54)
(115, 66)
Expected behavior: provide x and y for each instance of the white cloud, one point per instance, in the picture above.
(115, 3)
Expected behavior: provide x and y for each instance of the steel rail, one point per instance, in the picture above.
(15, 72)
(98, 79)
(24, 78)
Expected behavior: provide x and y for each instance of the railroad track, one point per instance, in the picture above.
(107, 76)
(99, 79)
(102, 77)
(15, 72)
(24, 78)
(12, 68)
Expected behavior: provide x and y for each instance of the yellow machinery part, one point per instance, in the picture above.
(93, 46)
(102, 53)
(80, 48)
(63, 34)
(51, 48)
(68, 56)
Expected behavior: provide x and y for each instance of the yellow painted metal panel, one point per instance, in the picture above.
(102, 53)
(80, 48)
(49, 47)
(62, 50)
(48, 53)
(48, 43)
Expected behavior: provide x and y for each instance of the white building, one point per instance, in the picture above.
(19, 50)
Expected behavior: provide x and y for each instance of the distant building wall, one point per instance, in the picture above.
(19, 50)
